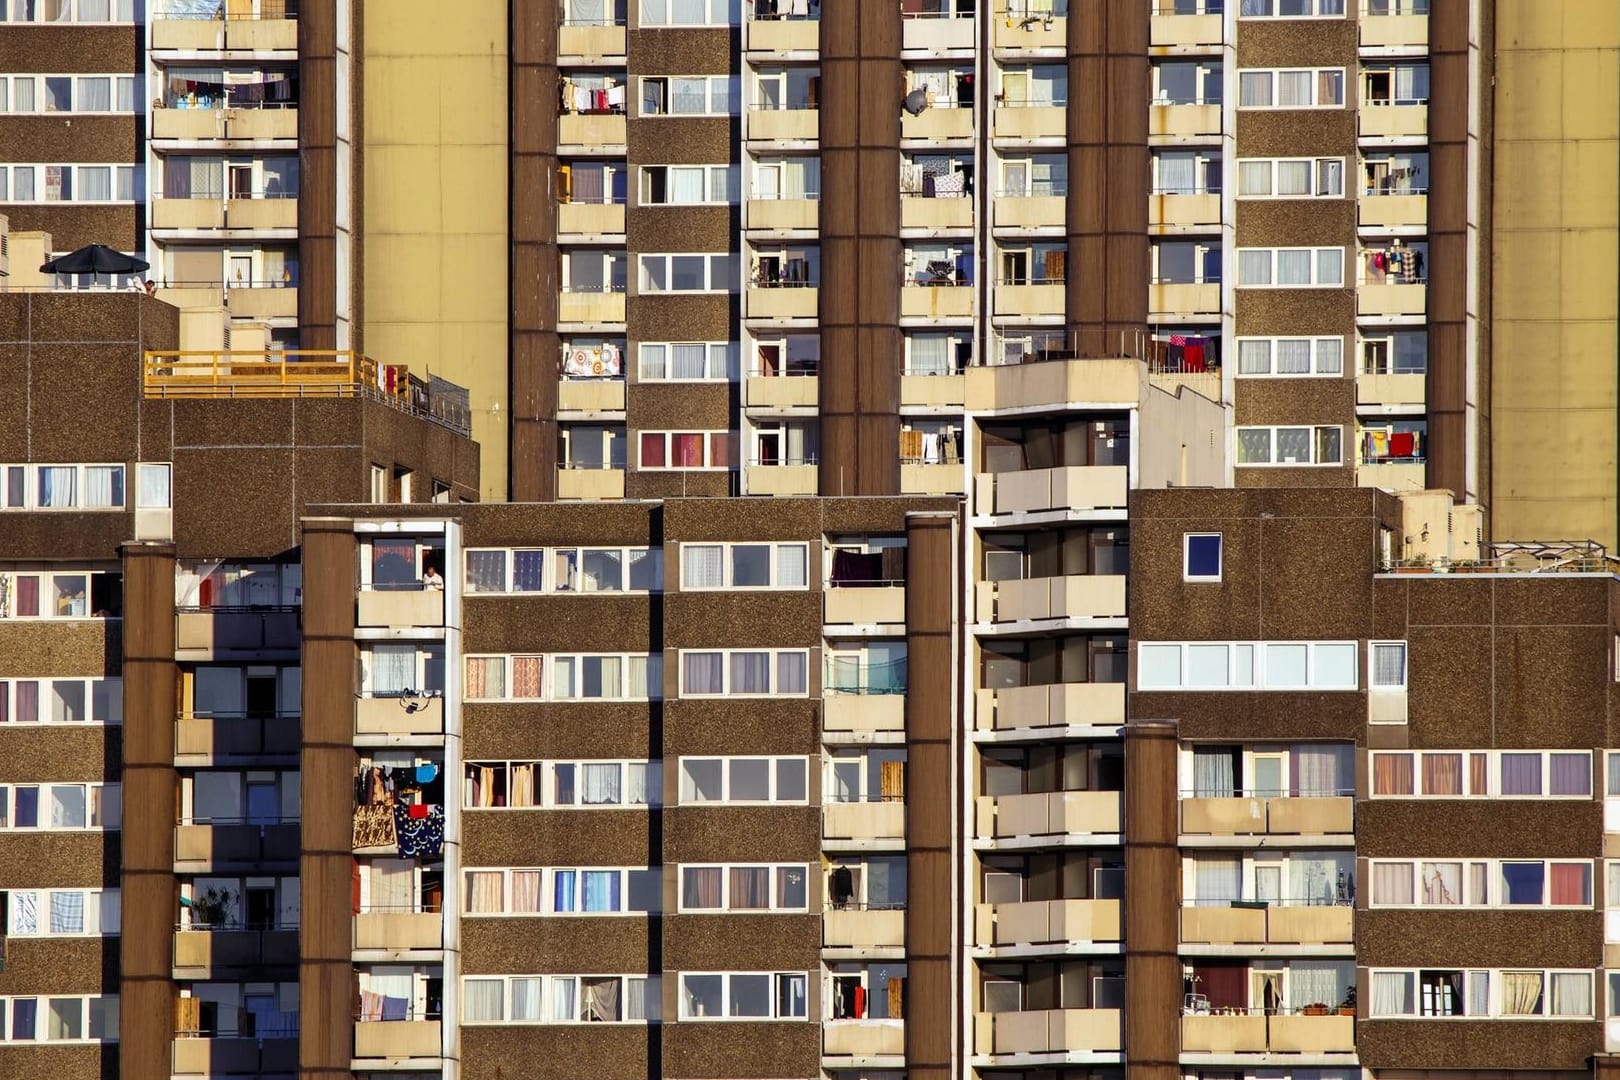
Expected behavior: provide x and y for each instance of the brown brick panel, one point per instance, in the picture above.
(91, 649)
(61, 1062)
(584, 623)
(1449, 695)
(1478, 828)
(681, 140)
(614, 1051)
(682, 228)
(1467, 602)
(60, 966)
(1298, 222)
(1486, 1045)
(53, 860)
(1295, 311)
(1501, 939)
(79, 537)
(673, 483)
(719, 726)
(703, 317)
(558, 838)
(742, 942)
(1299, 401)
(731, 1051)
(566, 524)
(1234, 716)
(696, 520)
(681, 407)
(766, 619)
(675, 50)
(556, 730)
(1540, 602)
(589, 946)
(54, 49)
(1300, 43)
(1152, 882)
(711, 834)
(1298, 132)
(68, 140)
(45, 754)
(1549, 689)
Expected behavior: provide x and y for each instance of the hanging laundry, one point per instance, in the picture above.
(426, 772)
(950, 185)
(420, 838)
(375, 826)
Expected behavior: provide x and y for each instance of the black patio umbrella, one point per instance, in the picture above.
(95, 259)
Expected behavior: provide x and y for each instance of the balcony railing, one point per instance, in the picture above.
(1254, 815)
(885, 678)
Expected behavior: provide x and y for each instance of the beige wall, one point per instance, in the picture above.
(435, 146)
(1182, 441)
(1556, 195)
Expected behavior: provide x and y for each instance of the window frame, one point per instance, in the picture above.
(774, 997)
(112, 698)
(725, 670)
(730, 176)
(1493, 774)
(1273, 342)
(548, 892)
(719, 273)
(1494, 885)
(94, 908)
(32, 476)
(729, 354)
(773, 798)
(1316, 15)
(109, 806)
(42, 1003)
(116, 10)
(551, 558)
(1493, 1008)
(1258, 666)
(728, 565)
(1274, 78)
(1187, 575)
(1275, 253)
(546, 1003)
(733, 10)
(1315, 185)
(726, 906)
(654, 676)
(1316, 431)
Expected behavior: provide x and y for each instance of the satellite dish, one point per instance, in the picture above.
(916, 101)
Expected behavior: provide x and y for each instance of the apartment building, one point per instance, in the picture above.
(150, 691)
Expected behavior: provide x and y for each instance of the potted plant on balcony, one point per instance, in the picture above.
(1347, 1007)
(1413, 564)
(213, 909)
(1316, 1009)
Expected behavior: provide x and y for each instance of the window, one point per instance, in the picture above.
(61, 806)
(688, 273)
(785, 266)
(153, 486)
(593, 446)
(1291, 9)
(1201, 556)
(937, 353)
(673, 450)
(559, 999)
(744, 995)
(1399, 352)
(776, 88)
(503, 678)
(1187, 172)
(564, 891)
(82, 594)
(744, 566)
(593, 270)
(1290, 356)
(689, 95)
(1481, 883)
(1246, 665)
(1290, 446)
(1187, 82)
(1394, 84)
(869, 667)
(1291, 178)
(787, 178)
(744, 888)
(401, 670)
(59, 912)
(67, 11)
(69, 183)
(73, 1018)
(62, 487)
(744, 780)
(66, 93)
(1474, 994)
(687, 361)
(745, 673)
(1186, 262)
(1479, 774)
(587, 784)
(1386, 665)
(1033, 85)
(939, 264)
(689, 185)
(1291, 268)
(1395, 172)
(506, 571)
(62, 701)
(1291, 88)
(691, 12)
(605, 677)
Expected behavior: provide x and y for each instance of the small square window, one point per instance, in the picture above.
(1201, 556)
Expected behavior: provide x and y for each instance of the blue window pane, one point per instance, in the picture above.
(27, 808)
(1523, 882)
(526, 569)
(1204, 556)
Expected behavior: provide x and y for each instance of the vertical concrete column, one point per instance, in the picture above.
(536, 267)
(317, 174)
(932, 785)
(326, 972)
(151, 900)
(1152, 930)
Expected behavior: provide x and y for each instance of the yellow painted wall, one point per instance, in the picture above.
(1556, 206)
(435, 146)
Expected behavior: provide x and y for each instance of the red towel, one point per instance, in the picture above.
(1400, 444)
(418, 811)
(860, 1003)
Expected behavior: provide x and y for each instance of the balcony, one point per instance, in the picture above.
(400, 607)
(1050, 923)
(590, 396)
(1184, 122)
(866, 929)
(1028, 121)
(1075, 596)
(1034, 708)
(933, 391)
(938, 123)
(1277, 816)
(936, 301)
(591, 308)
(1322, 924)
(590, 42)
(262, 300)
(863, 717)
(1393, 211)
(1049, 817)
(274, 1054)
(783, 302)
(864, 824)
(219, 631)
(937, 34)
(1014, 30)
(200, 124)
(218, 845)
(1393, 121)
(1256, 1033)
(922, 479)
(578, 132)
(1185, 300)
(1019, 300)
(589, 483)
(784, 125)
(1173, 212)
(856, 606)
(220, 737)
(1404, 32)
(921, 212)
(1071, 487)
(1167, 30)
(237, 34)
(784, 35)
(398, 930)
(784, 213)
(782, 479)
(1392, 475)
(590, 219)
(201, 213)
(783, 391)
(395, 716)
(398, 1040)
(202, 954)
(1031, 211)
(863, 1039)
(1053, 384)
(1049, 1032)
(1392, 301)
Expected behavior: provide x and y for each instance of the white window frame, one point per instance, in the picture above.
(716, 13)
(505, 662)
(727, 87)
(1316, 434)
(424, 661)
(774, 995)
(553, 663)
(1251, 655)
(43, 1003)
(31, 474)
(719, 273)
(47, 601)
(118, 11)
(652, 784)
(709, 456)
(1320, 368)
(725, 667)
(776, 872)
(553, 560)
(548, 877)
(1318, 179)
(504, 766)
(551, 988)
(728, 568)
(1495, 887)
(1493, 774)
(118, 173)
(721, 360)
(100, 909)
(1493, 1009)
(111, 807)
(105, 693)
(1272, 255)
(728, 174)
(116, 82)
(1406, 658)
(773, 797)
(1316, 12)
(1275, 75)
(1186, 557)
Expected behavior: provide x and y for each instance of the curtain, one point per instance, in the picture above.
(640, 673)
(525, 892)
(1571, 884)
(600, 890)
(1442, 774)
(526, 677)
(1392, 993)
(700, 887)
(791, 891)
(1214, 773)
(563, 681)
(393, 669)
(639, 993)
(600, 1000)
(1254, 357)
(1572, 993)
(1392, 883)
(1411, 83)
(1294, 356)
(685, 184)
(563, 993)
(688, 361)
(1225, 985)
(1254, 267)
(599, 784)
(586, 183)
(1178, 173)
(1521, 993)
(56, 485)
(24, 914)
(702, 566)
(750, 888)
(525, 999)
(750, 673)
(1218, 881)
(486, 677)
(1570, 774)
(1314, 878)
(486, 571)
(703, 672)
(1392, 774)
(802, 177)
(95, 95)
(1442, 883)
(1293, 266)
(393, 886)
(483, 892)
(1521, 774)
(27, 702)
(1318, 984)
(1323, 770)
(67, 912)
(792, 673)
(520, 789)
(930, 354)
(527, 569)
(642, 784)
(95, 183)
(562, 891)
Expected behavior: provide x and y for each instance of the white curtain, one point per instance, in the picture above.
(1254, 356)
(1572, 994)
(685, 184)
(1392, 883)
(1329, 356)
(1293, 178)
(930, 355)
(95, 94)
(393, 885)
(484, 999)
(802, 178)
(1318, 983)
(703, 672)
(1293, 266)
(1294, 356)
(57, 484)
(1392, 993)
(1218, 881)
(525, 999)
(792, 673)
(1213, 774)
(750, 673)
(1314, 878)
(702, 566)
(1178, 173)
(1254, 267)
(641, 784)
(1412, 83)
(1324, 770)
(1441, 883)
(688, 361)
(1521, 993)
(643, 676)
(564, 990)
(599, 784)
(393, 668)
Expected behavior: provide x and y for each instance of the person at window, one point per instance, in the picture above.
(431, 579)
